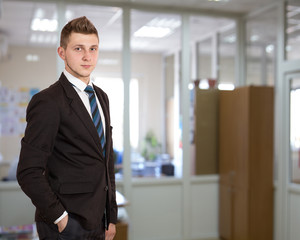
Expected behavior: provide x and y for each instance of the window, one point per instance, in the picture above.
(214, 65)
(261, 48)
(295, 130)
(154, 36)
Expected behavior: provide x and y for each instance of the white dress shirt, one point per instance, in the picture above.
(79, 87)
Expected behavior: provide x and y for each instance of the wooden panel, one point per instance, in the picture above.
(246, 163)
(225, 211)
(240, 154)
(206, 131)
(261, 163)
(227, 143)
(226, 163)
(240, 228)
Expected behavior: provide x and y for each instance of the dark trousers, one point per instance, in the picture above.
(73, 231)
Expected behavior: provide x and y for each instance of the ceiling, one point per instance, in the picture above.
(16, 19)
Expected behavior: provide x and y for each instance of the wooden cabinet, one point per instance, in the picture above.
(246, 120)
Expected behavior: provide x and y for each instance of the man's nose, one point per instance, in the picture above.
(86, 56)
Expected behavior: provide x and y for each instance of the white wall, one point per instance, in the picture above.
(294, 213)
(17, 73)
(156, 208)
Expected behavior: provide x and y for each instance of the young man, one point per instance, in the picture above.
(66, 162)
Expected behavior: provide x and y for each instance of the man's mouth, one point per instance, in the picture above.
(86, 66)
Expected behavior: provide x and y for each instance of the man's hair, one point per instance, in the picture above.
(77, 25)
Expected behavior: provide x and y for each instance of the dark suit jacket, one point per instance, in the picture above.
(61, 164)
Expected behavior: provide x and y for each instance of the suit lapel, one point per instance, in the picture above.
(80, 110)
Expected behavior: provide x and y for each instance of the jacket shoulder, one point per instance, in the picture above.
(53, 91)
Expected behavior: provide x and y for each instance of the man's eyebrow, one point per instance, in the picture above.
(82, 45)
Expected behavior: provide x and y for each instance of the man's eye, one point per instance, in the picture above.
(78, 49)
(93, 49)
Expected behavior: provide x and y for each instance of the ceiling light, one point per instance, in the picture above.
(32, 58)
(158, 28)
(254, 38)
(44, 25)
(230, 39)
(165, 23)
(270, 48)
(152, 32)
(43, 38)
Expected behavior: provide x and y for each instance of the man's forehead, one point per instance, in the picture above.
(83, 39)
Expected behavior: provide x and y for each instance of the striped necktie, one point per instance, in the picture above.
(96, 115)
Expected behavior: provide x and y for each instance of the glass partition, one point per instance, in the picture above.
(261, 37)
(295, 130)
(292, 30)
(204, 58)
(227, 53)
(214, 64)
(153, 37)
(27, 65)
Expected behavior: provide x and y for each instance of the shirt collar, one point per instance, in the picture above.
(76, 81)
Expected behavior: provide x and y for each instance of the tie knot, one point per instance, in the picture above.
(89, 89)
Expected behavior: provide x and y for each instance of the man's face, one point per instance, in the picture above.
(80, 55)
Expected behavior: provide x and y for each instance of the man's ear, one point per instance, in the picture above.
(61, 52)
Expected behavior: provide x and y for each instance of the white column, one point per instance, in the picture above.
(185, 108)
(61, 19)
(281, 193)
(264, 65)
(215, 57)
(126, 73)
(240, 59)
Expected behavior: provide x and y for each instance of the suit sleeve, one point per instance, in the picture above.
(113, 203)
(111, 170)
(43, 119)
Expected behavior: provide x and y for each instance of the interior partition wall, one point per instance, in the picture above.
(180, 207)
(288, 72)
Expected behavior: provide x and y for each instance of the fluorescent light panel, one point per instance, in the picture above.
(43, 38)
(44, 25)
(152, 32)
(158, 28)
(32, 58)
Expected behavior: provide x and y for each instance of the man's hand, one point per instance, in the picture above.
(111, 232)
(62, 223)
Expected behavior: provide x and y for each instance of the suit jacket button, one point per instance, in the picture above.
(106, 188)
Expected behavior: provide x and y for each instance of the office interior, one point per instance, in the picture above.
(155, 58)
